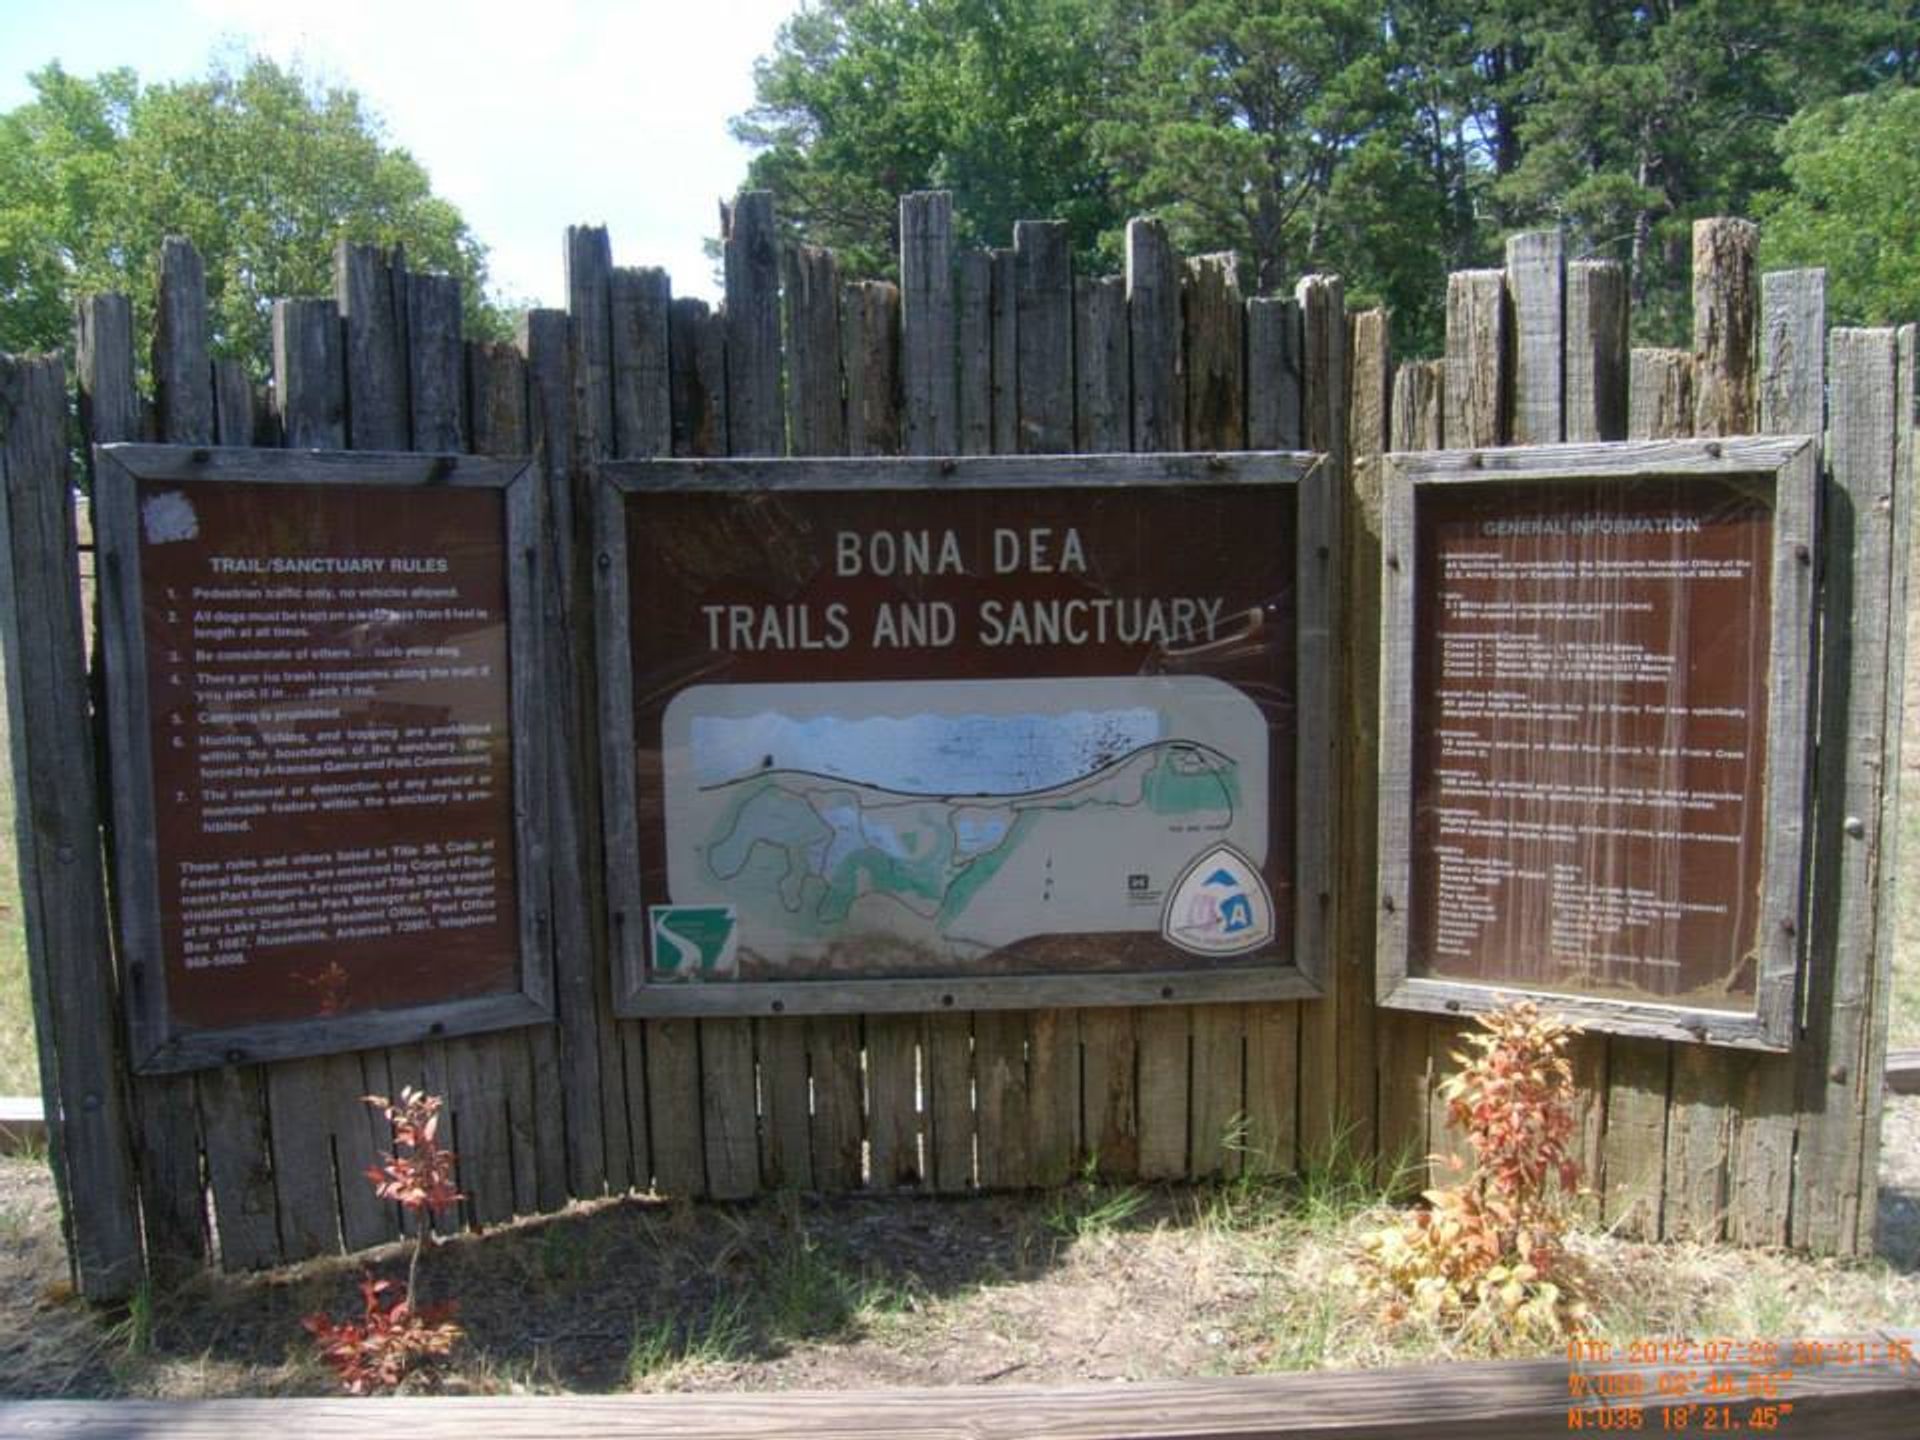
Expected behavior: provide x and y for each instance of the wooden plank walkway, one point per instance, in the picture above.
(1874, 1399)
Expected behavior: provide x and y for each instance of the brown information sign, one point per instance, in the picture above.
(328, 731)
(979, 732)
(1592, 673)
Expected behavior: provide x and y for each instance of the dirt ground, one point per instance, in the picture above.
(1093, 1284)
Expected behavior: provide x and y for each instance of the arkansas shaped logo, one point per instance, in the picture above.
(1220, 906)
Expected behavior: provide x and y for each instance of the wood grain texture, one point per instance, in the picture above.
(1471, 1400)
(676, 1111)
(697, 378)
(1053, 1096)
(786, 1145)
(1273, 1088)
(1005, 353)
(1536, 281)
(1633, 1159)
(755, 415)
(498, 422)
(816, 412)
(1000, 1077)
(1659, 394)
(1865, 562)
(1479, 373)
(1165, 1049)
(870, 337)
(182, 374)
(1419, 395)
(638, 304)
(728, 1109)
(589, 273)
(1109, 1110)
(1274, 376)
(948, 1076)
(56, 833)
(239, 1170)
(1725, 311)
(1216, 1129)
(233, 422)
(1215, 338)
(103, 369)
(1153, 323)
(833, 1059)
(369, 288)
(931, 403)
(1100, 402)
(1699, 1144)
(973, 343)
(893, 1111)
(1043, 324)
(436, 371)
(309, 374)
(1596, 401)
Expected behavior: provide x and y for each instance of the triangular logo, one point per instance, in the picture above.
(1221, 906)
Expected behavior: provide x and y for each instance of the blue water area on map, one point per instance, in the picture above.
(924, 754)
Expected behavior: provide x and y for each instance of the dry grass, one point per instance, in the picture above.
(1094, 1284)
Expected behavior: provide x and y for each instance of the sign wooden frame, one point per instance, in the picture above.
(159, 1042)
(1300, 976)
(1790, 465)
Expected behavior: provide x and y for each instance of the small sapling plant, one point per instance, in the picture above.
(396, 1335)
(1488, 1256)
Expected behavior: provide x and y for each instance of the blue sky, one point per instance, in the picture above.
(530, 115)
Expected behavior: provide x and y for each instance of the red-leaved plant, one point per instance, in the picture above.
(397, 1336)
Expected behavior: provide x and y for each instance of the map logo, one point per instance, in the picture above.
(694, 942)
(1220, 906)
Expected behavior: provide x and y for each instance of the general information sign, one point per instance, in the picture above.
(1596, 791)
(327, 728)
(960, 733)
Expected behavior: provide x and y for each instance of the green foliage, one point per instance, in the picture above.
(1853, 169)
(263, 170)
(1387, 140)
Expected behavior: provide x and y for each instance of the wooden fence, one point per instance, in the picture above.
(974, 352)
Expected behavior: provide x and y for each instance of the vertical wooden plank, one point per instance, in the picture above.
(833, 1060)
(1053, 1095)
(1217, 1130)
(786, 1149)
(1725, 310)
(103, 365)
(1596, 369)
(1900, 496)
(973, 340)
(56, 830)
(948, 1076)
(358, 1137)
(1153, 324)
(1419, 388)
(498, 422)
(239, 1172)
(182, 381)
(589, 257)
(1633, 1158)
(232, 402)
(870, 336)
(1791, 394)
(1370, 364)
(1109, 1120)
(1326, 1114)
(1273, 373)
(1865, 513)
(676, 1119)
(728, 1111)
(309, 375)
(545, 342)
(1165, 1051)
(893, 1119)
(1478, 346)
(436, 374)
(927, 324)
(1273, 1086)
(1000, 1071)
(638, 302)
(1699, 1139)
(1215, 323)
(1660, 395)
(1100, 366)
(1536, 279)
(1043, 324)
(1005, 356)
(370, 294)
(1588, 1056)
(755, 419)
(816, 420)
(697, 377)
(304, 1184)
